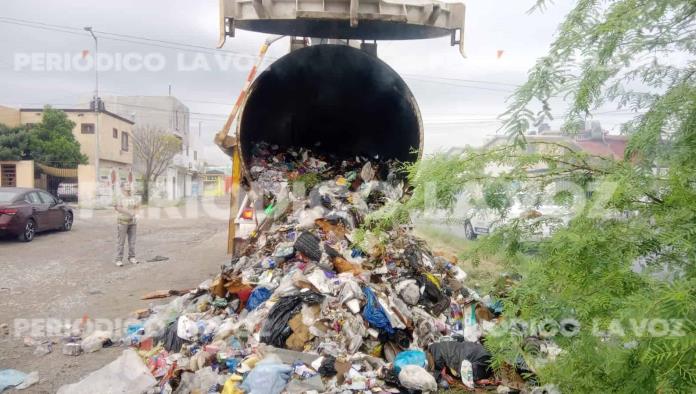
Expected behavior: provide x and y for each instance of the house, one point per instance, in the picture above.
(115, 142)
(213, 183)
(182, 178)
(593, 140)
(17, 173)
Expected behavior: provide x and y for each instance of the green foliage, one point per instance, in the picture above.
(50, 142)
(13, 143)
(496, 195)
(310, 180)
(627, 261)
(588, 270)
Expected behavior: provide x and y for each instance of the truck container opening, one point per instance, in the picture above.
(335, 99)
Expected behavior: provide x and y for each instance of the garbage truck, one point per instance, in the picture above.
(331, 90)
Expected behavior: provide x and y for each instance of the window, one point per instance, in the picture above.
(33, 198)
(124, 142)
(47, 198)
(195, 155)
(8, 195)
(115, 133)
(87, 128)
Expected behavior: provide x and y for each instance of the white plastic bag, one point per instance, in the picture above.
(417, 378)
(126, 374)
(95, 341)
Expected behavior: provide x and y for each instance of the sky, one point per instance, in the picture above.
(459, 98)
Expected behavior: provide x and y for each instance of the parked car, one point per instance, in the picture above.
(24, 212)
(67, 191)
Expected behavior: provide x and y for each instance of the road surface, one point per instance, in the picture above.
(65, 276)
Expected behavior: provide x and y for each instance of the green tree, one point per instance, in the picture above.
(52, 142)
(13, 142)
(625, 266)
(154, 151)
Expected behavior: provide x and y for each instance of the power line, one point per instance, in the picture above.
(466, 80)
(140, 40)
(126, 38)
(425, 79)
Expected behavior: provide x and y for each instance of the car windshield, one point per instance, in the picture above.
(7, 195)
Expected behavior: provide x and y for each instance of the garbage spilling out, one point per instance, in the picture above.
(310, 304)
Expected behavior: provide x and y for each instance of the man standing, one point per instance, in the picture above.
(127, 208)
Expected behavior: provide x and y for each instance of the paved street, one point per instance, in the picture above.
(68, 275)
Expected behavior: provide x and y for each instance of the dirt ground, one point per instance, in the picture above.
(65, 276)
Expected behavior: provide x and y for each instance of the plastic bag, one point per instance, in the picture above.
(318, 279)
(408, 291)
(472, 331)
(417, 378)
(269, 376)
(170, 340)
(373, 313)
(432, 298)
(187, 328)
(257, 297)
(276, 330)
(309, 245)
(350, 290)
(126, 374)
(451, 354)
(11, 378)
(410, 357)
(95, 341)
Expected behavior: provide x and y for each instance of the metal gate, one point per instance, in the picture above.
(61, 182)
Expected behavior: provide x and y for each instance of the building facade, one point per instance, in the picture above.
(182, 178)
(115, 136)
(115, 147)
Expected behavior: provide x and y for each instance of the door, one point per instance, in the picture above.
(39, 210)
(54, 213)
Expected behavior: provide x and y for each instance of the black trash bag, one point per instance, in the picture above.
(414, 257)
(391, 377)
(432, 298)
(401, 338)
(170, 340)
(451, 354)
(276, 330)
(308, 244)
(331, 251)
(328, 367)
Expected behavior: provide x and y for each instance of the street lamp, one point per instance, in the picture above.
(96, 106)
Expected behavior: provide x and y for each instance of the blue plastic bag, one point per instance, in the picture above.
(374, 314)
(268, 377)
(257, 297)
(410, 357)
(11, 378)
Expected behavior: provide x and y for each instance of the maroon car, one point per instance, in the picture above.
(24, 212)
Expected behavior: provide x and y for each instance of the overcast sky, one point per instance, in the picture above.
(456, 110)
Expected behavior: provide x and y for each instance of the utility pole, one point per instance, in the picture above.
(96, 107)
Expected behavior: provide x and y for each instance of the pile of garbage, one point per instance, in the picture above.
(315, 305)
